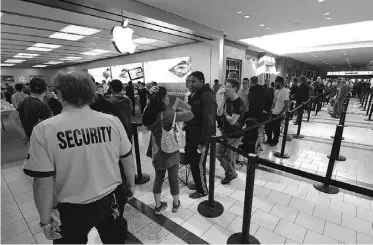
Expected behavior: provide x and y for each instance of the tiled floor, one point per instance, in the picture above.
(285, 210)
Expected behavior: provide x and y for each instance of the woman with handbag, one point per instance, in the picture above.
(167, 139)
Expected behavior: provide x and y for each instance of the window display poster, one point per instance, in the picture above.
(128, 72)
(101, 73)
(168, 70)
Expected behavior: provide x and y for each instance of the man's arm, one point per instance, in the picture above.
(16, 123)
(220, 109)
(208, 113)
(43, 195)
(286, 106)
(129, 170)
(231, 119)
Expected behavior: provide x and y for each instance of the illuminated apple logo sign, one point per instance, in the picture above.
(122, 38)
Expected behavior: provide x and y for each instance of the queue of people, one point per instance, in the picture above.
(80, 142)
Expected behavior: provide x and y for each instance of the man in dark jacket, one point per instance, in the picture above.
(130, 92)
(301, 96)
(198, 130)
(257, 97)
(123, 105)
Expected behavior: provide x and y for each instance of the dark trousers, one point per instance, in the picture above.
(197, 162)
(299, 112)
(78, 219)
(142, 107)
(273, 129)
(133, 105)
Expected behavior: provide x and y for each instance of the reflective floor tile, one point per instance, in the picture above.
(310, 222)
(290, 230)
(265, 220)
(315, 238)
(197, 224)
(268, 237)
(216, 235)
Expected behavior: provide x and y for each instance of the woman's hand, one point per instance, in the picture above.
(154, 90)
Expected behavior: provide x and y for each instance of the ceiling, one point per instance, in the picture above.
(25, 23)
(279, 16)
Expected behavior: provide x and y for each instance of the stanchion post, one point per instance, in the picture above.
(309, 108)
(298, 135)
(366, 102)
(325, 187)
(244, 237)
(211, 208)
(369, 104)
(285, 134)
(140, 178)
(370, 114)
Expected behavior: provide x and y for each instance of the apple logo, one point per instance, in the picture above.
(122, 38)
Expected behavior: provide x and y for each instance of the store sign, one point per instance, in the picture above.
(122, 38)
(349, 73)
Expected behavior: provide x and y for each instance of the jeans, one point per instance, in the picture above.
(172, 178)
(228, 157)
(275, 129)
(77, 220)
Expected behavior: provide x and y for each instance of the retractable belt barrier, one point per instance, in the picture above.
(140, 177)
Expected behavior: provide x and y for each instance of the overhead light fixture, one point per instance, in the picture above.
(95, 52)
(25, 55)
(262, 25)
(268, 28)
(329, 38)
(43, 47)
(53, 62)
(144, 40)
(7, 64)
(326, 13)
(320, 1)
(66, 36)
(239, 12)
(247, 16)
(14, 61)
(80, 30)
(71, 58)
(329, 18)
(122, 38)
(40, 66)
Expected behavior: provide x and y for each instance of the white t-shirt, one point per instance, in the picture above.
(81, 148)
(279, 100)
(106, 88)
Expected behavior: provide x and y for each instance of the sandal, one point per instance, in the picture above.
(196, 195)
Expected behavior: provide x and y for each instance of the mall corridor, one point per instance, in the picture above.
(255, 116)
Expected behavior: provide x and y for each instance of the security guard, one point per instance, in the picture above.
(75, 154)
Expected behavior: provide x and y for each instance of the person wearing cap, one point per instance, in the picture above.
(32, 109)
(75, 155)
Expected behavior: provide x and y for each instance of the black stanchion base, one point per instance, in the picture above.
(278, 154)
(139, 181)
(343, 138)
(236, 239)
(295, 136)
(326, 189)
(210, 212)
(339, 158)
(367, 119)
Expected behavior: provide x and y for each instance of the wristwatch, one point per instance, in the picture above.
(46, 225)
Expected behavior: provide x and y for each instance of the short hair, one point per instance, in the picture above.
(216, 81)
(38, 85)
(295, 79)
(199, 75)
(19, 87)
(303, 78)
(309, 81)
(272, 84)
(254, 80)
(130, 83)
(116, 85)
(234, 82)
(103, 81)
(246, 79)
(280, 79)
(76, 88)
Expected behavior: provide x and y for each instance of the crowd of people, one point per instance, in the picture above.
(80, 140)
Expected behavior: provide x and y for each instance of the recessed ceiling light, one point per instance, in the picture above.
(53, 62)
(247, 16)
(95, 52)
(329, 18)
(25, 55)
(46, 45)
(7, 64)
(40, 66)
(71, 58)
(14, 61)
(268, 28)
(39, 49)
(144, 40)
(320, 1)
(262, 25)
(326, 13)
(66, 36)
(239, 12)
(79, 30)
